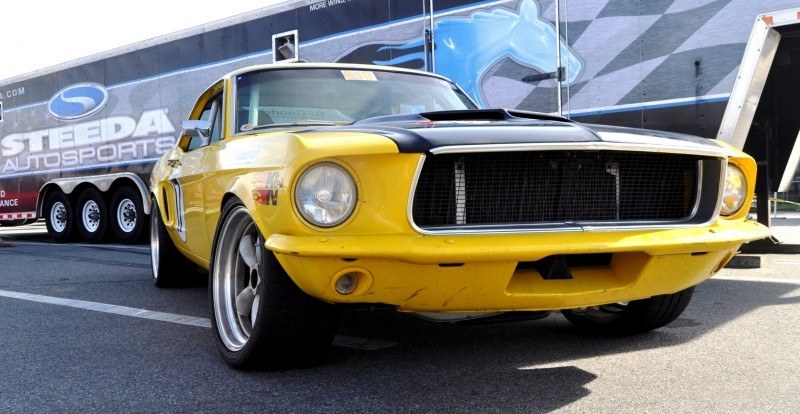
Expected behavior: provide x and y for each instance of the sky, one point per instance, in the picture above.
(38, 34)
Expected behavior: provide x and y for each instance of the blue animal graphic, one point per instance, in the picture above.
(466, 47)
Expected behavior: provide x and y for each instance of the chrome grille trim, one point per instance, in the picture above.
(679, 148)
(717, 175)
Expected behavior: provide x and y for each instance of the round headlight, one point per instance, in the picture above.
(325, 195)
(735, 190)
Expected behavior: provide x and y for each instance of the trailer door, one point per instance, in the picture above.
(761, 116)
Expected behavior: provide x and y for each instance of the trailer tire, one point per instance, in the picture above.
(92, 216)
(169, 267)
(127, 216)
(633, 317)
(260, 318)
(59, 217)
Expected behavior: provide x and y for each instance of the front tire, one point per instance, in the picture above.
(92, 216)
(260, 317)
(59, 217)
(633, 317)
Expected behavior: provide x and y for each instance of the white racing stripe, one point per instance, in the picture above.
(366, 344)
(113, 309)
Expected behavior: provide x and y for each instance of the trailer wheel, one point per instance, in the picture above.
(633, 317)
(170, 268)
(127, 215)
(59, 217)
(92, 215)
(260, 318)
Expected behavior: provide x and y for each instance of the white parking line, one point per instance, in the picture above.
(758, 279)
(365, 344)
(787, 261)
(110, 246)
(113, 309)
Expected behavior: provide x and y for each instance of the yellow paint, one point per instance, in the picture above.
(399, 266)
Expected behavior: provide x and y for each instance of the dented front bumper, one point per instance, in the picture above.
(468, 273)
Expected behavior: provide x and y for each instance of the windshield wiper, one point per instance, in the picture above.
(305, 122)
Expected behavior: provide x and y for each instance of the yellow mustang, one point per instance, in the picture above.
(302, 187)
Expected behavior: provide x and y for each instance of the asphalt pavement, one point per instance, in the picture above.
(83, 329)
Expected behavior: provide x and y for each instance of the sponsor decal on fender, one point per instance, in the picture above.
(267, 187)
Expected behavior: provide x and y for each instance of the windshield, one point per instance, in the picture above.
(342, 96)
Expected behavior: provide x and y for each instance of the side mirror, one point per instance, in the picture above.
(197, 128)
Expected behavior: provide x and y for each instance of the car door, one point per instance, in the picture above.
(190, 169)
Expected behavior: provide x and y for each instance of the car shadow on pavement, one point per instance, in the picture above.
(509, 367)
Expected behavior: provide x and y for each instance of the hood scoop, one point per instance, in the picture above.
(490, 115)
(507, 115)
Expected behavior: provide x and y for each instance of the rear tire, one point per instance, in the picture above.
(92, 216)
(630, 318)
(170, 268)
(261, 319)
(128, 221)
(59, 217)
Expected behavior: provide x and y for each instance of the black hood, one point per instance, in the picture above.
(423, 132)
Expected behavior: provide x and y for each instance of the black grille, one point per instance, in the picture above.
(529, 188)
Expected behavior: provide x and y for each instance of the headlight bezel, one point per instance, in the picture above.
(300, 199)
(730, 188)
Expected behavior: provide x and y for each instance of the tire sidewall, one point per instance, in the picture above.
(138, 232)
(69, 229)
(156, 267)
(85, 197)
(242, 357)
(292, 329)
(171, 269)
(640, 316)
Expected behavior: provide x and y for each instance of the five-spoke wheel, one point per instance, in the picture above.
(237, 283)
(260, 317)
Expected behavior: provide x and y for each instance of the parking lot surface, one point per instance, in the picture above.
(83, 329)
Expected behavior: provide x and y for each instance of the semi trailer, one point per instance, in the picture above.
(78, 140)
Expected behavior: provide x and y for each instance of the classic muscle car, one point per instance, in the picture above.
(305, 187)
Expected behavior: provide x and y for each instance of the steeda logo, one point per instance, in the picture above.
(77, 101)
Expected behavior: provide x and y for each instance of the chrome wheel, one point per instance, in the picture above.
(58, 216)
(126, 215)
(90, 215)
(237, 279)
(155, 218)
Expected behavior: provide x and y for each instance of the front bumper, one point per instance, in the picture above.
(472, 273)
